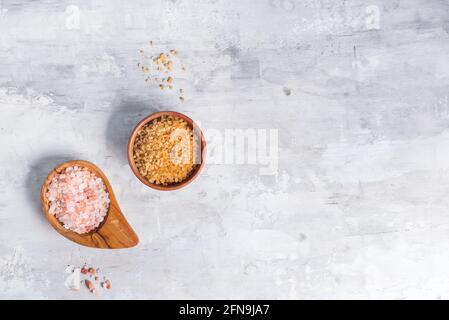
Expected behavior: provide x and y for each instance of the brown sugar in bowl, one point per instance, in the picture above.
(196, 131)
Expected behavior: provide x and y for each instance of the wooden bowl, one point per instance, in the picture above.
(113, 233)
(196, 131)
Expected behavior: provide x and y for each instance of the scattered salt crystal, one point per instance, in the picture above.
(70, 268)
(90, 285)
(78, 198)
(89, 276)
(72, 281)
(106, 284)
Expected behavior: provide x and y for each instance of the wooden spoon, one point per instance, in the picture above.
(113, 233)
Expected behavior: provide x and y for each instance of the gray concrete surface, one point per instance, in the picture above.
(358, 91)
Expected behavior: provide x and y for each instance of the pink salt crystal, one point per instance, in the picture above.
(90, 285)
(78, 199)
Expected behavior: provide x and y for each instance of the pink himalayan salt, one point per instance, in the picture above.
(78, 199)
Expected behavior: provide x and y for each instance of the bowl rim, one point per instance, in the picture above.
(132, 138)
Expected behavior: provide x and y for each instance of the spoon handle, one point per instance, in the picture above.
(116, 232)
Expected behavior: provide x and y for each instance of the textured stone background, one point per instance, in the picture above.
(359, 207)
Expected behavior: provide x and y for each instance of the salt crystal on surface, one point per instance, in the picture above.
(78, 198)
